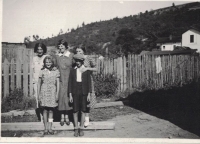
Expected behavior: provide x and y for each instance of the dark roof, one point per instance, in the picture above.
(167, 39)
(12, 43)
(196, 27)
(176, 52)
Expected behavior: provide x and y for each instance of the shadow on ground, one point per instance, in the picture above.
(180, 105)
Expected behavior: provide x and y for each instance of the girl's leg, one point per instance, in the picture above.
(75, 116)
(50, 122)
(67, 118)
(87, 121)
(45, 121)
(62, 120)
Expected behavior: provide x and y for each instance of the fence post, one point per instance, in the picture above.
(25, 73)
(6, 77)
(124, 73)
(12, 75)
(31, 73)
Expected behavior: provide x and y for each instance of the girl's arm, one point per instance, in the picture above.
(57, 87)
(39, 88)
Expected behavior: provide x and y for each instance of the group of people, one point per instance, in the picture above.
(64, 81)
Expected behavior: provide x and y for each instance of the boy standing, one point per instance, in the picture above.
(79, 92)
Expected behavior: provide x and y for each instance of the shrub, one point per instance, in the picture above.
(106, 86)
(17, 100)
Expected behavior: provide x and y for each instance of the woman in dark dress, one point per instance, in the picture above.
(64, 64)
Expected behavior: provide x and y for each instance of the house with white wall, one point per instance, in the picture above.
(191, 38)
(169, 43)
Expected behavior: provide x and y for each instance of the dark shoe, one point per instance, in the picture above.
(81, 133)
(76, 132)
(51, 132)
(62, 122)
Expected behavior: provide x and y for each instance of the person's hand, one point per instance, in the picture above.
(88, 97)
(70, 98)
(54, 68)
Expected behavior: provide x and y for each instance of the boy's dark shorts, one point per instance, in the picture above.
(80, 103)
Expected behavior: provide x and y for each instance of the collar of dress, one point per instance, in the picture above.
(47, 70)
(67, 53)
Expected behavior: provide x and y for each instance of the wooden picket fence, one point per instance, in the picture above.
(135, 72)
(16, 70)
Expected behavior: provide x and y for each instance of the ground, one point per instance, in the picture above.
(171, 114)
(130, 123)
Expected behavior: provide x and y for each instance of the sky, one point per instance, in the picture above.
(46, 17)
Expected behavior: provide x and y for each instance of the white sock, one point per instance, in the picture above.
(87, 119)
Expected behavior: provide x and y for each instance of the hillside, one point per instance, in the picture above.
(133, 33)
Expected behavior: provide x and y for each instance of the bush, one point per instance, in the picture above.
(106, 86)
(17, 100)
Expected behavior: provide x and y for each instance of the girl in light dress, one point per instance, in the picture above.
(48, 89)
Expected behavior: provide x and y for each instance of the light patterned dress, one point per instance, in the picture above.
(90, 63)
(48, 88)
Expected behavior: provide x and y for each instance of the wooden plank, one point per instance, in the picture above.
(6, 77)
(31, 73)
(30, 126)
(124, 73)
(18, 68)
(25, 74)
(12, 71)
(121, 74)
(108, 104)
(130, 73)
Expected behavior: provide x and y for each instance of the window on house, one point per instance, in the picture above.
(163, 47)
(191, 38)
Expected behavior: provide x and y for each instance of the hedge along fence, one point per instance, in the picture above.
(135, 72)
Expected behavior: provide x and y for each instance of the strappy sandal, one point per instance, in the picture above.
(76, 132)
(51, 132)
(67, 121)
(62, 121)
(45, 132)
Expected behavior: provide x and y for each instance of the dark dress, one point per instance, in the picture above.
(64, 65)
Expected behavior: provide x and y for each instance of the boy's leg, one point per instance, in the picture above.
(75, 116)
(81, 133)
(45, 120)
(50, 121)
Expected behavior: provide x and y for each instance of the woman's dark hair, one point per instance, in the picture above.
(48, 58)
(62, 41)
(82, 47)
(40, 45)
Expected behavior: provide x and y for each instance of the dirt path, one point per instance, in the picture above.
(138, 125)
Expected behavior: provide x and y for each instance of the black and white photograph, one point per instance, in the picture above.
(100, 69)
